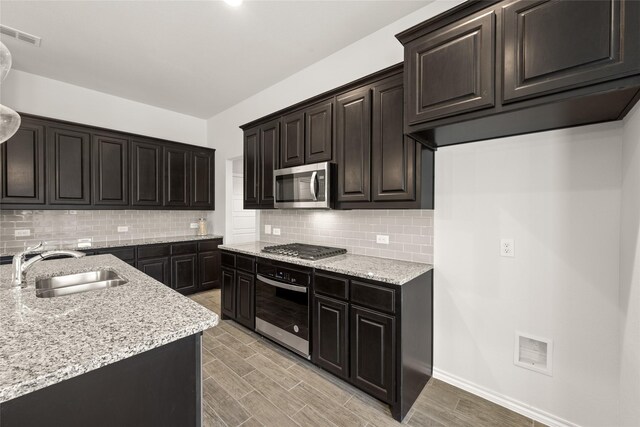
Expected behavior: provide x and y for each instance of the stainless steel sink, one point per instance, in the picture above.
(77, 283)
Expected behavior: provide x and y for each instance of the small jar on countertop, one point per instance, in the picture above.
(202, 226)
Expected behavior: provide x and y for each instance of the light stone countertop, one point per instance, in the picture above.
(394, 272)
(102, 244)
(44, 341)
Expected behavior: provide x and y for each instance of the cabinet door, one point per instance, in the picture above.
(292, 143)
(245, 306)
(184, 273)
(209, 266)
(22, 165)
(393, 153)
(354, 146)
(202, 179)
(269, 145)
(373, 352)
(251, 160)
(176, 187)
(551, 46)
(330, 335)
(110, 170)
(319, 133)
(146, 173)
(228, 293)
(451, 70)
(157, 268)
(68, 165)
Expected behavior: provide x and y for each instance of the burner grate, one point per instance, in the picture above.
(304, 251)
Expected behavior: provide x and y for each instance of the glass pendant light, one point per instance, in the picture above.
(9, 119)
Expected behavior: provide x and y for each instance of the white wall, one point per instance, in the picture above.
(29, 93)
(630, 273)
(368, 55)
(558, 195)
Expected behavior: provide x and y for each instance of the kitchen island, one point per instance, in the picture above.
(128, 355)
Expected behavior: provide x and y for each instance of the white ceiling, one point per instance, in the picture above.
(194, 57)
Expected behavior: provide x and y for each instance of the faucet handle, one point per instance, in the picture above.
(32, 248)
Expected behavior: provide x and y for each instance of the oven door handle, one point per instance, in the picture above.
(302, 289)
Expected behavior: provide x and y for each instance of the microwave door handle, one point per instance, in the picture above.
(268, 281)
(312, 185)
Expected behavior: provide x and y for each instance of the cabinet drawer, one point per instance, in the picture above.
(125, 254)
(153, 251)
(331, 285)
(373, 296)
(245, 263)
(209, 245)
(228, 260)
(184, 248)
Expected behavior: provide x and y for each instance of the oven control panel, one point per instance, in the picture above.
(284, 274)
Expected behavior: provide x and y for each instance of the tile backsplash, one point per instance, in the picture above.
(410, 231)
(65, 227)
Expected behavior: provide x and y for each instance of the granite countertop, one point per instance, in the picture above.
(385, 270)
(119, 243)
(44, 341)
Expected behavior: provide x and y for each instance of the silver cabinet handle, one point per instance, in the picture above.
(312, 185)
(294, 288)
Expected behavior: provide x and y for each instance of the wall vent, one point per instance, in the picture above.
(20, 35)
(533, 353)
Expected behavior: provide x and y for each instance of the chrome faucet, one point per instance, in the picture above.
(20, 266)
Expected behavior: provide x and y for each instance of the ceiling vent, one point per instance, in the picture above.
(20, 35)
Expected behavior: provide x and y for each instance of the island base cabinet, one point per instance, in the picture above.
(160, 387)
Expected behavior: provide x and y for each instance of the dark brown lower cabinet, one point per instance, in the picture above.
(373, 352)
(228, 290)
(184, 273)
(377, 336)
(209, 269)
(331, 335)
(157, 268)
(245, 291)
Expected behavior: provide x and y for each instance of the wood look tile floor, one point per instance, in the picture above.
(249, 381)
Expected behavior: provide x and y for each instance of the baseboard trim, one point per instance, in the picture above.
(502, 400)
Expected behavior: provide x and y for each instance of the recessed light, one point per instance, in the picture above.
(234, 3)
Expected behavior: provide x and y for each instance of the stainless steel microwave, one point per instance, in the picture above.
(306, 187)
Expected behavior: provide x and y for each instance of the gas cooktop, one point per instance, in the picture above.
(304, 251)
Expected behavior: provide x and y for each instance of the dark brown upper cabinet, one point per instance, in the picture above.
(22, 165)
(203, 179)
(96, 167)
(493, 68)
(451, 70)
(110, 170)
(269, 147)
(261, 152)
(177, 163)
(292, 140)
(394, 154)
(69, 165)
(251, 161)
(146, 173)
(551, 46)
(353, 134)
(318, 134)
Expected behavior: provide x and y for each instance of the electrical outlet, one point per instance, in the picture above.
(193, 225)
(123, 228)
(23, 233)
(267, 229)
(507, 248)
(383, 239)
(73, 212)
(276, 231)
